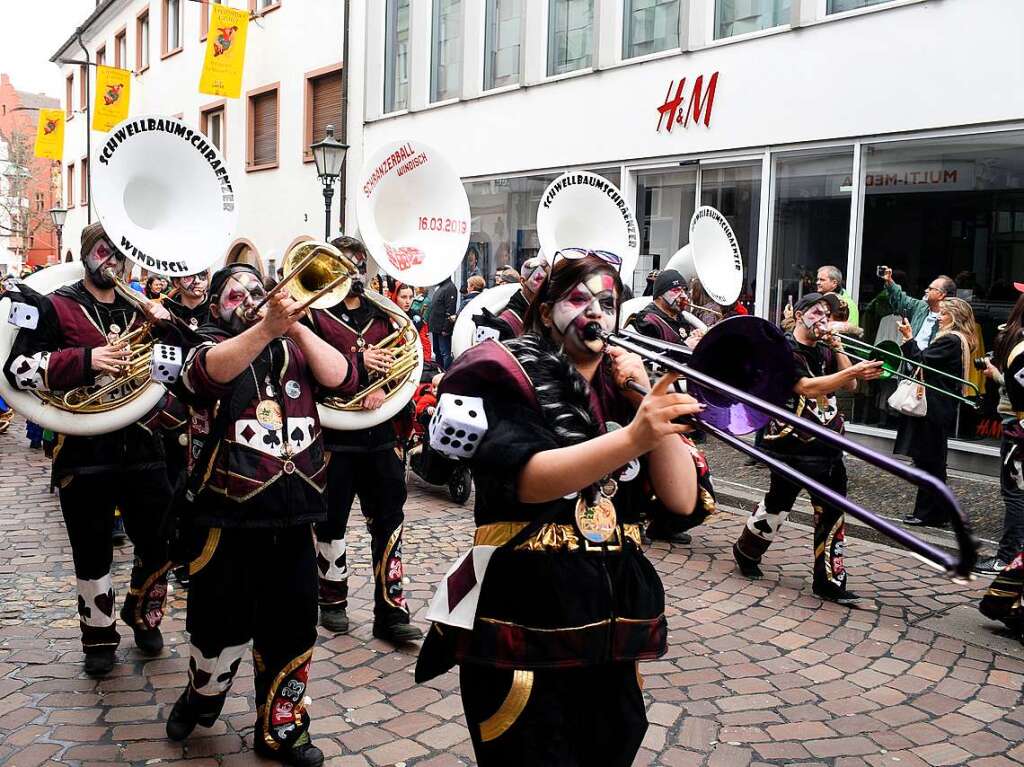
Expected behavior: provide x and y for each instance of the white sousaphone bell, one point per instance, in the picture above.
(578, 209)
(712, 256)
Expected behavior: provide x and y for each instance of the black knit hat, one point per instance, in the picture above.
(221, 276)
(667, 280)
(810, 299)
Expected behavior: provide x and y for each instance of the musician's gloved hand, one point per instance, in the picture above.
(654, 419)
(378, 360)
(866, 371)
(111, 358)
(373, 400)
(694, 338)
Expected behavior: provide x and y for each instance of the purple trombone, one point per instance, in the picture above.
(753, 353)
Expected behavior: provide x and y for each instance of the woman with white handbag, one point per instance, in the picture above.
(930, 415)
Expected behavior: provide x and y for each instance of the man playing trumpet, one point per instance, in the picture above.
(80, 341)
(256, 487)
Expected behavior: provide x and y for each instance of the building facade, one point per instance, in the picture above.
(292, 88)
(854, 133)
(30, 185)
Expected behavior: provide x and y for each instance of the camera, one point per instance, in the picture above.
(881, 270)
(980, 362)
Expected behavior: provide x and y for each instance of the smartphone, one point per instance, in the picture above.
(881, 270)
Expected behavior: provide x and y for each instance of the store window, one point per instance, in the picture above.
(665, 202)
(735, 191)
(838, 6)
(570, 35)
(953, 206)
(503, 37)
(737, 17)
(649, 26)
(446, 53)
(396, 56)
(504, 221)
(812, 222)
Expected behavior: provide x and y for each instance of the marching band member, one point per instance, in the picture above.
(569, 603)
(664, 317)
(255, 488)
(363, 462)
(822, 369)
(190, 303)
(76, 343)
(509, 321)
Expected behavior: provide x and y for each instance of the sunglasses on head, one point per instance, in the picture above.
(573, 254)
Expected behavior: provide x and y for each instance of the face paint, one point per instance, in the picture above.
(102, 255)
(534, 274)
(815, 319)
(194, 285)
(674, 297)
(240, 294)
(591, 301)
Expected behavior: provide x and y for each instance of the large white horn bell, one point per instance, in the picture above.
(712, 256)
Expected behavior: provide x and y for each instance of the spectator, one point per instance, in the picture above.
(830, 280)
(442, 321)
(507, 275)
(155, 287)
(925, 438)
(922, 313)
(1007, 360)
(651, 277)
(472, 265)
(404, 299)
(474, 287)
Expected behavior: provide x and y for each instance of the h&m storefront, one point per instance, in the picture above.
(853, 144)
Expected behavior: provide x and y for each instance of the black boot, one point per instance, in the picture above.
(334, 619)
(302, 753)
(100, 661)
(748, 567)
(149, 641)
(396, 629)
(185, 716)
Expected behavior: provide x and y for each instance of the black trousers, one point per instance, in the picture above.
(257, 585)
(829, 522)
(567, 718)
(378, 478)
(87, 502)
(925, 504)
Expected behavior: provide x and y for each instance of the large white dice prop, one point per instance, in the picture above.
(166, 364)
(24, 316)
(458, 425)
(484, 333)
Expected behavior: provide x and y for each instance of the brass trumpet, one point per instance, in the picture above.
(320, 273)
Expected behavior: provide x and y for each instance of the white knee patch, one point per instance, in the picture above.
(765, 525)
(331, 560)
(96, 602)
(212, 676)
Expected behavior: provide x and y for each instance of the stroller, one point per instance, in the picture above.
(428, 464)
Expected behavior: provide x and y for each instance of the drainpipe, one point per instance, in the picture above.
(344, 113)
(88, 129)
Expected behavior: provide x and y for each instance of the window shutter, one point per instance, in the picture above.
(327, 106)
(264, 128)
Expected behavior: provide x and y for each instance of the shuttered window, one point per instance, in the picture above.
(69, 107)
(263, 129)
(70, 201)
(84, 179)
(325, 94)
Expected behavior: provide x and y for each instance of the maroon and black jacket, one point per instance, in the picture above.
(350, 331)
(654, 323)
(57, 355)
(256, 477)
(551, 608)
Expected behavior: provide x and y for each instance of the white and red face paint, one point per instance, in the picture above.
(194, 284)
(592, 301)
(675, 297)
(534, 274)
(241, 293)
(97, 260)
(816, 318)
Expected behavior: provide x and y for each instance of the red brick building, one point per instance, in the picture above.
(37, 243)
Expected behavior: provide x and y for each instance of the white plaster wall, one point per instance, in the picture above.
(277, 205)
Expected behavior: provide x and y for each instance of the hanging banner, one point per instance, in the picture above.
(50, 134)
(225, 52)
(113, 90)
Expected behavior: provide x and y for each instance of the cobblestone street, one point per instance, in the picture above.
(759, 673)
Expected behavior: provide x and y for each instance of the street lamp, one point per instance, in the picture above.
(329, 156)
(57, 215)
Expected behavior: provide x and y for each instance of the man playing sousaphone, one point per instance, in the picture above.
(364, 462)
(79, 342)
(664, 317)
(256, 487)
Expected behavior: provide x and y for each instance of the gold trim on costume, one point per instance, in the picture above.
(497, 724)
(299, 708)
(639, 676)
(383, 565)
(550, 536)
(212, 539)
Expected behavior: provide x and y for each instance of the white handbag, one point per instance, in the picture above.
(909, 397)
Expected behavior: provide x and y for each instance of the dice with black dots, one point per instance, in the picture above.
(458, 425)
(166, 364)
(484, 333)
(23, 316)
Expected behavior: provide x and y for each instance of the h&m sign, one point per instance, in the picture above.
(688, 103)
